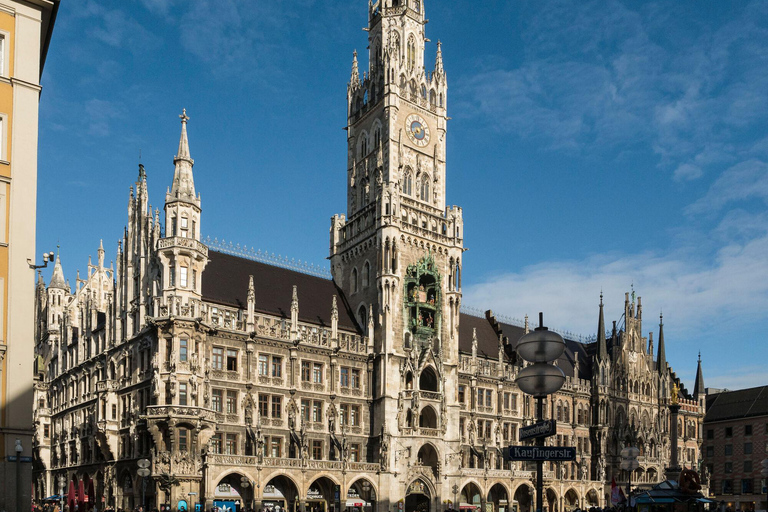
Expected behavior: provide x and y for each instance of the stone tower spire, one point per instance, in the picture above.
(602, 347)
(439, 69)
(698, 387)
(57, 279)
(101, 254)
(183, 187)
(661, 357)
(354, 79)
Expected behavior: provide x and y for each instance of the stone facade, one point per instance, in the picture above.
(292, 389)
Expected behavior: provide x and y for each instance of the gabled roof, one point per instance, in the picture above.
(225, 282)
(744, 403)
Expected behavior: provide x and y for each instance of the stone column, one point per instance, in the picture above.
(673, 471)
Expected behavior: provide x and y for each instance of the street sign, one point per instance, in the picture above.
(544, 428)
(142, 472)
(24, 458)
(143, 463)
(549, 453)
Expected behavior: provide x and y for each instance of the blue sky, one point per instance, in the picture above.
(593, 145)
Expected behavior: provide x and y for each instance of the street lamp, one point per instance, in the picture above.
(764, 472)
(629, 463)
(245, 483)
(455, 492)
(540, 379)
(143, 472)
(19, 450)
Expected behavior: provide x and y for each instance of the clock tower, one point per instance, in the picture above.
(397, 252)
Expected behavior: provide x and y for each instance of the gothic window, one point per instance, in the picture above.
(417, 5)
(377, 137)
(366, 274)
(354, 280)
(173, 226)
(183, 276)
(441, 100)
(425, 188)
(411, 53)
(362, 316)
(432, 98)
(424, 91)
(184, 226)
(363, 145)
(408, 183)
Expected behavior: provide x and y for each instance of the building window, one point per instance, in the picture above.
(710, 451)
(231, 402)
(488, 398)
(182, 394)
(344, 414)
(183, 349)
(317, 411)
(46, 431)
(306, 371)
(317, 373)
(184, 226)
(263, 365)
(355, 378)
(277, 406)
(747, 466)
(216, 400)
(218, 358)
(172, 276)
(344, 377)
(710, 433)
(194, 279)
(461, 394)
(747, 430)
(183, 276)
(728, 467)
(277, 447)
(480, 395)
(264, 406)
(114, 411)
(354, 453)
(232, 360)
(746, 486)
(729, 449)
(3, 70)
(728, 486)
(216, 443)
(354, 416)
(277, 366)
(728, 431)
(231, 444)
(183, 439)
(317, 450)
(747, 448)
(306, 408)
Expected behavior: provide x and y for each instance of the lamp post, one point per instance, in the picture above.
(245, 482)
(764, 472)
(629, 463)
(455, 493)
(19, 487)
(143, 472)
(540, 379)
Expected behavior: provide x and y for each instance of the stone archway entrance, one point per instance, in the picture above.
(571, 500)
(321, 496)
(592, 498)
(523, 498)
(361, 496)
(470, 498)
(280, 495)
(498, 498)
(229, 495)
(417, 497)
(550, 503)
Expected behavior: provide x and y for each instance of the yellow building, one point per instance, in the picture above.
(25, 32)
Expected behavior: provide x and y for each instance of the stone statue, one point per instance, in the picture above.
(383, 448)
(600, 470)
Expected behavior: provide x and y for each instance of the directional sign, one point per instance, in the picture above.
(550, 453)
(544, 428)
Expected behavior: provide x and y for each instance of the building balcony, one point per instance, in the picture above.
(180, 411)
(184, 243)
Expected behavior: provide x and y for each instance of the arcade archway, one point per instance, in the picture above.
(281, 494)
(592, 498)
(499, 498)
(571, 500)
(361, 496)
(321, 495)
(229, 494)
(428, 457)
(418, 497)
(471, 498)
(524, 498)
(551, 500)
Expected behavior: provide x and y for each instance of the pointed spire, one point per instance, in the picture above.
(295, 311)
(698, 387)
(661, 357)
(602, 347)
(354, 79)
(334, 319)
(251, 305)
(183, 181)
(439, 70)
(57, 279)
(101, 253)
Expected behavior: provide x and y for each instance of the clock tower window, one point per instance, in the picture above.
(408, 183)
(425, 189)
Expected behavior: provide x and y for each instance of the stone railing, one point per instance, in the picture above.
(188, 243)
(181, 410)
(231, 460)
(430, 395)
(364, 467)
(282, 462)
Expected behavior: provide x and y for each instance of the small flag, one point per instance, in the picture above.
(615, 492)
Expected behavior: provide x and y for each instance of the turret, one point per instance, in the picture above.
(698, 387)
(602, 347)
(661, 357)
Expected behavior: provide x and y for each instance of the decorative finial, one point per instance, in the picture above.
(184, 117)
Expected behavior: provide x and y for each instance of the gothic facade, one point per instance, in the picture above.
(245, 381)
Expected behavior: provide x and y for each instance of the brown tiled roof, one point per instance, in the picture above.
(487, 340)
(225, 281)
(744, 403)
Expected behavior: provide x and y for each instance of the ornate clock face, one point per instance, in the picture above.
(418, 130)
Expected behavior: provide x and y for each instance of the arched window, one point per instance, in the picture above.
(408, 182)
(411, 53)
(363, 145)
(366, 274)
(362, 315)
(425, 189)
(354, 281)
(377, 137)
(432, 98)
(424, 91)
(417, 5)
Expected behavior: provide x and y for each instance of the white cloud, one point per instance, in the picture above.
(687, 172)
(744, 181)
